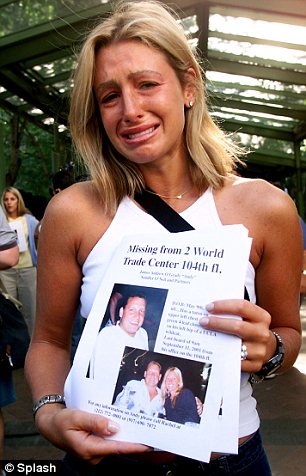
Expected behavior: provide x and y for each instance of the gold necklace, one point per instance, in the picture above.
(176, 197)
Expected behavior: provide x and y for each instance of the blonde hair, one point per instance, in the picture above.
(212, 156)
(176, 371)
(21, 208)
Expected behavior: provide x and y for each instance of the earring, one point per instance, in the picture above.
(190, 103)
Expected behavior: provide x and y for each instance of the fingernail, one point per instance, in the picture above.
(210, 306)
(112, 427)
(204, 321)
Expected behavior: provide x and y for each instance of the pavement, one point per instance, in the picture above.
(281, 406)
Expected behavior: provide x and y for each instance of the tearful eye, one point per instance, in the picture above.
(109, 98)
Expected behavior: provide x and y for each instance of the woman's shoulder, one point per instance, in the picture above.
(79, 202)
(187, 391)
(258, 195)
(78, 194)
(253, 185)
(76, 216)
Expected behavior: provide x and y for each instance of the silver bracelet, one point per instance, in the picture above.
(47, 399)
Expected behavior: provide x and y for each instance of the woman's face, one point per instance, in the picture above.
(10, 203)
(141, 102)
(172, 382)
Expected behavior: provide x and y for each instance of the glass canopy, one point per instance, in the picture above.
(254, 58)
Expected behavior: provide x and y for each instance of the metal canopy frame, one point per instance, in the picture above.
(36, 63)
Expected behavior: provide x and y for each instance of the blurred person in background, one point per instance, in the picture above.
(20, 280)
(61, 180)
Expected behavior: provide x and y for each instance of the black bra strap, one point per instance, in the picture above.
(162, 212)
(168, 217)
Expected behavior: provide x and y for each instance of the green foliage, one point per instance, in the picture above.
(21, 14)
(32, 175)
(35, 155)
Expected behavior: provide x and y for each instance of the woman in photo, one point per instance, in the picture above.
(179, 402)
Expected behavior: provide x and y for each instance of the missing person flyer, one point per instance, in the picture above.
(144, 360)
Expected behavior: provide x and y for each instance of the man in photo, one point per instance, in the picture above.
(143, 396)
(112, 339)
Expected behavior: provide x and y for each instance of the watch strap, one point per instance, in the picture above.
(54, 398)
(273, 364)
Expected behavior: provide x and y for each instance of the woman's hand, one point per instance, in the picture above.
(199, 405)
(82, 434)
(253, 329)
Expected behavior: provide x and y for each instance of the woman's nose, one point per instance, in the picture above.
(131, 106)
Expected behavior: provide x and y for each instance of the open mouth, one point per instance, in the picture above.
(138, 136)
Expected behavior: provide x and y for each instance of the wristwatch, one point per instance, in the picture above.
(273, 364)
(47, 399)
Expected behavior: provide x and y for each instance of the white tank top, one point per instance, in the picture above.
(130, 219)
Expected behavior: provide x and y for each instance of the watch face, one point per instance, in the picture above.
(273, 369)
(271, 366)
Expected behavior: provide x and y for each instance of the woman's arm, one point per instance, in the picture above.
(273, 222)
(48, 359)
(278, 277)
